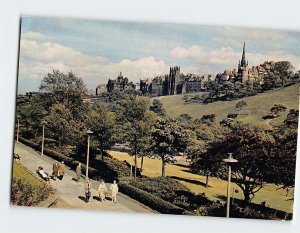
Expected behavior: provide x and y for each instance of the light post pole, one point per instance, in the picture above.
(43, 136)
(18, 127)
(89, 133)
(229, 161)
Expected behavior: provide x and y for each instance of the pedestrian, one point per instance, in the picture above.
(102, 190)
(55, 170)
(61, 170)
(78, 172)
(287, 191)
(114, 190)
(87, 189)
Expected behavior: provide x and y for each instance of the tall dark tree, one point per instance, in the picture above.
(135, 122)
(102, 121)
(251, 147)
(62, 127)
(284, 70)
(169, 140)
(283, 165)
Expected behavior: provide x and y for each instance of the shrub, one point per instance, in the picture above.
(25, 194)
(240, 105)
(150, 200)
(172, 191)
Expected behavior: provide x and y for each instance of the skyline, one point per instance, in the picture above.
(98, 50)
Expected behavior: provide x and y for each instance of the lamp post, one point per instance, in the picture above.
(18, 127)
(229, 161)
(89, 133)
(43, 136)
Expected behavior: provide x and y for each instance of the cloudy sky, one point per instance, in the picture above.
(98, 50)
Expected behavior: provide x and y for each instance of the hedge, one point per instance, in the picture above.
(152, 201)
(172, 191)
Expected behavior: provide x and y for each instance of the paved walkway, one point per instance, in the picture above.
(70, 193)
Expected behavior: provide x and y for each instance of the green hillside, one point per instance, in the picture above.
(257, 106)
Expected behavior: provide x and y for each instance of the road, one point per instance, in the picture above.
(70, 193)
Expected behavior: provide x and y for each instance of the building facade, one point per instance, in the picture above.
(244, 73)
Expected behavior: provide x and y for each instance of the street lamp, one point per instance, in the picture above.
(89, 133)
(229, 161)
(18, 127)
(43, 137)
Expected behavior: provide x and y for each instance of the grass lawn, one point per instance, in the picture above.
(217, 191)
(257, 106)
(20, 173)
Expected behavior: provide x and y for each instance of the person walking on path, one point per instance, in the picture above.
(61, 170)
(55, 170)
(102, 190)
(114, 190)
(87, 189)
(78, 172)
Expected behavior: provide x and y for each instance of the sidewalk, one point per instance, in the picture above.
(70, 193)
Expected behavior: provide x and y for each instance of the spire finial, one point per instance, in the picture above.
(243, 61)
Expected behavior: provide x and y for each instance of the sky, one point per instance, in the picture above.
(99, 50)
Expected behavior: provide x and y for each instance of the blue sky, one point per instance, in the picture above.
(98, 50)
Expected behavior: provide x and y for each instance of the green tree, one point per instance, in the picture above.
(169, 140)
(228, 90)
(251, 147)
(284, 70)
(102, 121)
(62, 127)
(31, 112)
(157, 107)
(67, 89)
(283, 166)
(135, 120)
(204, 163)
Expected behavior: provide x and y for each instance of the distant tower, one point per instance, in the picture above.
(243, 69)
(173, 80)
(243, 61)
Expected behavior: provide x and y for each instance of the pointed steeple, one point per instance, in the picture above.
(243, 61)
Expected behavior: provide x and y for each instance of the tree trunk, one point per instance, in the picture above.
(142, 162)
(102, 154)
(135, 164)
(206, 183)
(163, 168)
(247, 198)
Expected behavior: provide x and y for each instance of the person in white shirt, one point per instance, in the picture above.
(114, 190)
(102, 190)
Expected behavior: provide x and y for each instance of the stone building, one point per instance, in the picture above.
(120, 83)
(173, 83)
(244, 73)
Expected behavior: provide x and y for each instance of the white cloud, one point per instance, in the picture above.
(37, 59)
(31, 35)
(226, 57)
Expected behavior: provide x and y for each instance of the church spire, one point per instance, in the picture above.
(243, 61)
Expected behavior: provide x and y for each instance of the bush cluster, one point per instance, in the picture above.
(172, 191)
(25, 194)
(151, 200)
